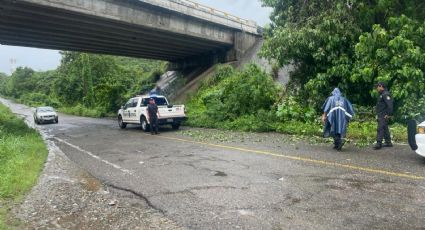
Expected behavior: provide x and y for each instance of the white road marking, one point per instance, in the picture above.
(95, 157)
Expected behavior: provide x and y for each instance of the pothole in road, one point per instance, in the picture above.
(90, 183)
(219, 173)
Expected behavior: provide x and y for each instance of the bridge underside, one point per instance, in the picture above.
(33, 25)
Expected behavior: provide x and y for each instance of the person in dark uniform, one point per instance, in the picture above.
(153, 114)
(384, 110)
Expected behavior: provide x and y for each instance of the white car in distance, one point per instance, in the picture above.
(416, 137)
(45, 114)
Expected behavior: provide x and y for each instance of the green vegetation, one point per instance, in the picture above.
(234, 100)
(250, 101)
(351, 44)
(347, 44)
(84, 84)
(22, 156)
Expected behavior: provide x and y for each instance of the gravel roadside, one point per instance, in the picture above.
(68, 197)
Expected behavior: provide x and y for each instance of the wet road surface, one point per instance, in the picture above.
(264, 181)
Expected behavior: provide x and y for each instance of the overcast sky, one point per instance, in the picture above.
(41, 59)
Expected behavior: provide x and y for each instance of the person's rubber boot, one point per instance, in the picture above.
(377, 146)
(339, 147)
(388, 144)
(336, 144)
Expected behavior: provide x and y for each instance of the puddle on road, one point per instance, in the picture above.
(90, 183)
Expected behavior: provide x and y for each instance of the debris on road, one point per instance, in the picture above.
(113, 202)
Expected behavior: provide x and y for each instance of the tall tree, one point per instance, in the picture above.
(321, 39)
(20, 82)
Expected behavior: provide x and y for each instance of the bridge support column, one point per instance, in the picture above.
(243, 43)
(207, 59)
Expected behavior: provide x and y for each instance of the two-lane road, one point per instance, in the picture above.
(269, 183)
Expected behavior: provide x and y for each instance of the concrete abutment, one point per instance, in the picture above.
(242, 43)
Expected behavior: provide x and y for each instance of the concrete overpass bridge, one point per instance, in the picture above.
(180, 31)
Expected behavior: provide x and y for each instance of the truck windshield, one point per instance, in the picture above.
(158, 100)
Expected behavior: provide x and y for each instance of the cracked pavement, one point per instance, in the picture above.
(269, 183)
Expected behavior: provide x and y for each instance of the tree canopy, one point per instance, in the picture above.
(92, 81)
(350, 44)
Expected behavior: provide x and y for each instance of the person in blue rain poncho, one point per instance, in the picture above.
(337, 112)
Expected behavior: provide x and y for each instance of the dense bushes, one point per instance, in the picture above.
(235, 100)
(38, 99)
(290, 110)
(352, 45)
(81, 110)
(249, 100)
(84, 84)
(239, 94)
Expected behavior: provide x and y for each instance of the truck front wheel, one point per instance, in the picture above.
(145, 125)
(121, 123)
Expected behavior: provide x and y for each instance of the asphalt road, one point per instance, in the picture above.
(254, 181)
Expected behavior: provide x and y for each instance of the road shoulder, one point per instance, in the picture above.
(68, 197)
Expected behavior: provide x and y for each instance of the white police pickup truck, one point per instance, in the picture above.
(416, 137)
(135, 112)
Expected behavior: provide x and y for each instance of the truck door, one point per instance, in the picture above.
(142, 107)
(129, 110)
(132, 110)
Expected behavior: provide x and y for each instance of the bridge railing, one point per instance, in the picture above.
(207, 13)
(217, 12)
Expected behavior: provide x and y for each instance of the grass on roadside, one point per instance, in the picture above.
(80, 110)
(22, 156)
(358, 133)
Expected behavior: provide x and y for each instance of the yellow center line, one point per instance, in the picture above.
(304, 159)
